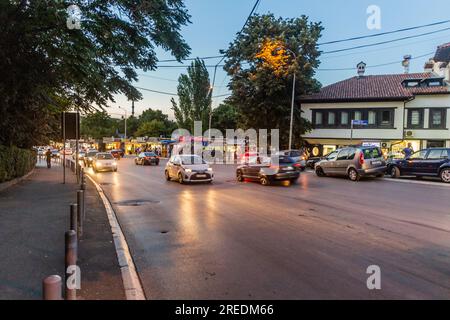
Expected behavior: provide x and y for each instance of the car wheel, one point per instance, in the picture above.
(166, 173)
(180, 178)
(319, 172)
(394, 172)
(239, 176)
(353, 175)
(445, 175)
(264, 181)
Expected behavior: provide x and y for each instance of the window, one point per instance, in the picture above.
(343, 154)
(415, 118)
(358, 115)
(318, 118)
(344, 118)
(351, 154)
(419, 155)
(332, 156)
(435, 154)
(372, 118)
(372, 153)
(386, 117)
(331, 118)
(437, 118)
(435, 143)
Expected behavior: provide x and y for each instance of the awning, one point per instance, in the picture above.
(333, 142)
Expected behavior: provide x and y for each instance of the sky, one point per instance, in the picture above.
(216, 22)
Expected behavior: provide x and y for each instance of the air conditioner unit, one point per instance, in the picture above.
(385, 145)
(409, 133)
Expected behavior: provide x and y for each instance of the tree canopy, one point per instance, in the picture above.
(225, 116)
(194, 97)
(261, 64)
(48, 67)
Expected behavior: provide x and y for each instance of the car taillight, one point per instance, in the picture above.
(297, 165)
(361, 158)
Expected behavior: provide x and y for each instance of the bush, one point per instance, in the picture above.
(15, 162)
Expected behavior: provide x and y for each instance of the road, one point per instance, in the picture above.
(312, 240)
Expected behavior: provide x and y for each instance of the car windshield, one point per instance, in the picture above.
(149, 154)
(104, 156)
(91, 153)
(191, 160)
(372, 153)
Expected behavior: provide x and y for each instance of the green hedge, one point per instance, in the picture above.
(15, 162)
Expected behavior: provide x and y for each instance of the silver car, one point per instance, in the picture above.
(188, 168)
(353, 162)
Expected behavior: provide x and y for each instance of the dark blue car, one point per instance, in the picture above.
(433, 162)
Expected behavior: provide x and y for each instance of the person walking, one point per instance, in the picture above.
(408, 151)
(48, 156)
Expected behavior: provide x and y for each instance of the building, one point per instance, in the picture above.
(391, 110)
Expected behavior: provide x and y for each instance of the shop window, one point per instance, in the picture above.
(437, 118)
(435, 144)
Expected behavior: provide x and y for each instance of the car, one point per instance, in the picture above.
(55, 153)
(144, 158)
(104, 161)
(353, 162)
(268, 170)
(432, 162)
(311, 162)
(297, 155)
(188, 168)
(117, 153)
(89, 157)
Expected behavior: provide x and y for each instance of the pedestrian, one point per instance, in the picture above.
(48, 156)
(408, 151)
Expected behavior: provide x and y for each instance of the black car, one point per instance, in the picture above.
(268, 170)
(147, 158)
(433, 162)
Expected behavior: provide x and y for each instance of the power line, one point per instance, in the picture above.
(384, 33)
(385, 42)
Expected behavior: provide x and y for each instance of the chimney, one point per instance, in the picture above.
(361, 68)
(406, 62)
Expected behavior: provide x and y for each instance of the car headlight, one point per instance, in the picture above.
(188, 170)
(210, 169)
(98, 163)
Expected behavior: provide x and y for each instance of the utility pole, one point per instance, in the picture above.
(125, 120)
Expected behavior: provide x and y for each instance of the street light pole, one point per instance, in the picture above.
(292, 102)
(125, 120)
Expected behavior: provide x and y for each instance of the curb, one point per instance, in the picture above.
(7, 184)
(130, 278)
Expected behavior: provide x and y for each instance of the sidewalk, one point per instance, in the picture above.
(34, 216)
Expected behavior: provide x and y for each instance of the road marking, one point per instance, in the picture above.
(131, 282)
(430, 183)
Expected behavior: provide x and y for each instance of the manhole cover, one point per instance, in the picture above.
(135, 203)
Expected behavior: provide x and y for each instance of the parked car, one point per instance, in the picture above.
(296, 155)
(146, 158)
(89, 157)
(433, 162)
(117, 153)
(268, 170)
(104, 161)
(353, 162)
(311, 162)
(188, 168)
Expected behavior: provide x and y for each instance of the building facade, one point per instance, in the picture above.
(391, 111)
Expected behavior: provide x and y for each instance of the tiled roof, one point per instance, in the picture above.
(442, 53)
(374, 88)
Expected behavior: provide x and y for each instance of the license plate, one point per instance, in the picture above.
(201, 176)
(376, 162)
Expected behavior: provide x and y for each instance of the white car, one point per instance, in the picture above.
(104, 161)
(188, 168)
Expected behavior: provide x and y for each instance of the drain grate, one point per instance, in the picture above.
(135, 203)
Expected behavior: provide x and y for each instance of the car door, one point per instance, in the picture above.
(415, 163)
(434, 160)
(253, 168)
(329, 165)
(342, 162)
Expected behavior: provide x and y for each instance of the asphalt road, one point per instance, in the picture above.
(312, 240)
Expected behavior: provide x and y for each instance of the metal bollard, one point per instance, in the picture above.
(52, 288)
(70, 260)
(73, 217)
(80, 213)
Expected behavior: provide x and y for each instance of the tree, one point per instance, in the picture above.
(194, 97)
(97, 125)
(153, 128)
(261, 66)
(49, 65)
(150, 115)
(224, 117)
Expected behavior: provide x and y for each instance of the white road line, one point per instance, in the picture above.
(130, 278)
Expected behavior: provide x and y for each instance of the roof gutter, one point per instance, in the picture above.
(403, 115)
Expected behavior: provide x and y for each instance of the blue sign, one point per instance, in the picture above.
(360, 122)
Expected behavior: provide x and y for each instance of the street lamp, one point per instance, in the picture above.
(210, 112)
(292, 102)
(125, 120)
